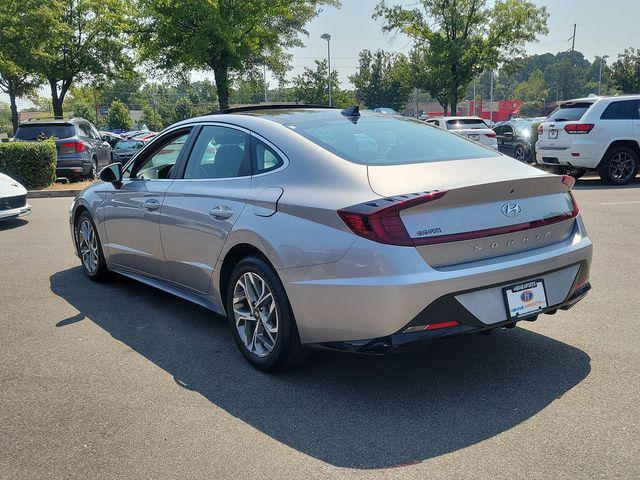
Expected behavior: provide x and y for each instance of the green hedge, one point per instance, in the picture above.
(33, 164)
(534, 139)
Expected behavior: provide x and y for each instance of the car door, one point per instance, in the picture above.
(103, 148)
(508, 137)
(620, 121)
(132, 210)
(202, 205)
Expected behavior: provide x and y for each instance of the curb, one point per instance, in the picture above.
(52, 193)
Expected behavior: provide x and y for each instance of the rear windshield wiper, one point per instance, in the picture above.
(560, 119)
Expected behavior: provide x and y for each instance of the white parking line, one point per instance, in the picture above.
(620, 203)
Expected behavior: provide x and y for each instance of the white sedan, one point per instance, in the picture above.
(13, 198)
(473, 128)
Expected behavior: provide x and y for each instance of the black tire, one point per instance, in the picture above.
(619, 166)
(522, 155)
(575, 172)
(287, 351)
(101, 271)
(93, 173)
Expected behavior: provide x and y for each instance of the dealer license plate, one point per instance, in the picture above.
(525, 299)
(474, 136)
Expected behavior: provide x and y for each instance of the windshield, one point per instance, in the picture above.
(42, 130)
(524, 128)
(568, 112)
(460, 123)
(127, 144)
(377, 140)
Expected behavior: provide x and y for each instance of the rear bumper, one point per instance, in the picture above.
(448, 309)
(73, 165)
(15, 212)
(578, 154)
(376, 290)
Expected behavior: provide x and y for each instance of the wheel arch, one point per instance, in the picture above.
(234, 254)
(628, 143)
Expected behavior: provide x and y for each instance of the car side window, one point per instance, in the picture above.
(85, 130)
(95, 133)
(499, 129)
(506, 129)
(266, 158)
(219, 152)
(158, 164)
(623, 110)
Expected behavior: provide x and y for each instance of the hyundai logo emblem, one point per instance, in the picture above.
(511, 209)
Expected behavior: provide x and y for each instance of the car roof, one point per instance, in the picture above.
(53, 121)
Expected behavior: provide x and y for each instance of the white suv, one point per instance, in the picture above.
(473, 128)
(595, 133)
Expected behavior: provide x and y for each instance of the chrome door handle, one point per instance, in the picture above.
(221, 212)
(151, 204)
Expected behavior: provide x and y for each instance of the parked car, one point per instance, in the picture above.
(111, 138)
(386, 111)
(144, 136)
(303, 235)
(81, 150)
(13, 198)
(514, 139)
(125, 149)
(594, 133)
(473, 128)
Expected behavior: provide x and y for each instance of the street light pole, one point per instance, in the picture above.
(491, 101)
(602, 58)
(264, 79)
(327, 37)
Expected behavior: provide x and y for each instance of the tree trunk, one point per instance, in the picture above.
(221, 74)
(56, 101)
(14, 108)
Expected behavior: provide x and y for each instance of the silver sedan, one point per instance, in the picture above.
(335, 228)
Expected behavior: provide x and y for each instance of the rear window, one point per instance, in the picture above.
(375, 140)
(42, 130)
(125, 145)
(569, 112)
(459, 123)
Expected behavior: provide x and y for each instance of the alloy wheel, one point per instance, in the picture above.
(256, 314)
(519, 154)
(88, 246)
(622, 166)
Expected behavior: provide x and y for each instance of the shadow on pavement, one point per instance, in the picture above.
(595, 183)
(347, 410)
(12, 223)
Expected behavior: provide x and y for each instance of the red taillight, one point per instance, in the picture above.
(569, 181)
(435, 326)
(67, 148)
(491, 135)
(578, 128)
(540, 129)
(380, 222)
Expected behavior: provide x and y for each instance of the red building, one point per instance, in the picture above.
(504, 110)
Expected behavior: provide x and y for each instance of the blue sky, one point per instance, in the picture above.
(604, 28)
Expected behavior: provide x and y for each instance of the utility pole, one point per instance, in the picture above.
(327, 37)
(474, 97)
(416, 100)
(573, 42)
(264, 80)
(95, 101)
(602, 59)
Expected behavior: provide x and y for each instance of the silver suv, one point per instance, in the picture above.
(328, 228)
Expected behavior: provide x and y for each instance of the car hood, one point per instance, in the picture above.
(10, 187)
(389, 180)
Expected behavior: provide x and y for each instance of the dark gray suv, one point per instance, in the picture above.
(81, 150)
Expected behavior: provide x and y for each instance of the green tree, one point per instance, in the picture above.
(84, 110)
(534, 93)
(118, 116)
(312, 86)
(625, 71)
(460, 39)
(383, 80)
(5, 120)
(223, 36)
(183, 109)
(23, 33)
(151, 118)
(88, 42)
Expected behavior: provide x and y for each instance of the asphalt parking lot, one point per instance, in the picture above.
(118, 380)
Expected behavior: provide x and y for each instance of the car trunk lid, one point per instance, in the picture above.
(483, 213)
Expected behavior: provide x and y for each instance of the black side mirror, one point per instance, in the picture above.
(112, 173)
